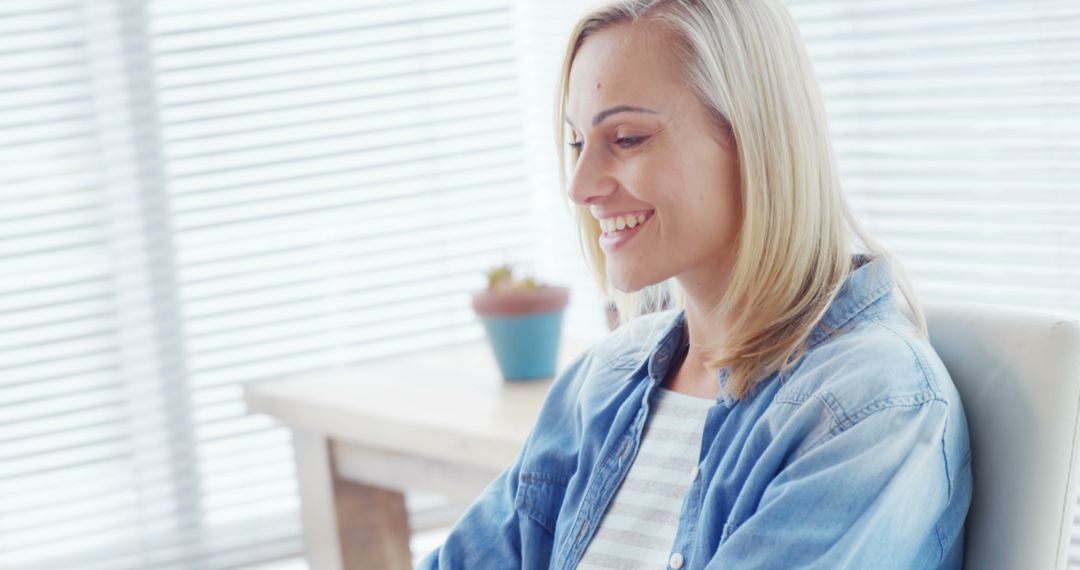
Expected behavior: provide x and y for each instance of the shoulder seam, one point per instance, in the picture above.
(916, 400)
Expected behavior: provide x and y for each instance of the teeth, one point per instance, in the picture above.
(620, 223)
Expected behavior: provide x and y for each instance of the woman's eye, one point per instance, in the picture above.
(625, 142)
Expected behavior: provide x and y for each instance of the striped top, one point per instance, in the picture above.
(638, 527)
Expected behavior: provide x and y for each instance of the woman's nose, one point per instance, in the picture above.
(589, 184)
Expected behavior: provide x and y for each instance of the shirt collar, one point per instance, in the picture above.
(867, 287)
(869, 284)
(661, 358)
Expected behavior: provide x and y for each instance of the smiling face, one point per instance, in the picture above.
(647, 147)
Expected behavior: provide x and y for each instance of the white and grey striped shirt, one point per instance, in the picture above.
(638, 527)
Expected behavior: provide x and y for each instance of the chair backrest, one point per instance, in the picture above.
(1018, 374)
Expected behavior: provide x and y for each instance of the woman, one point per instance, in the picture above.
(787, 413)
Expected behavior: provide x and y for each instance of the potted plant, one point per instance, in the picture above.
(523, 322)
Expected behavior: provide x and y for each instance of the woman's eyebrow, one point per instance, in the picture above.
(617, 109)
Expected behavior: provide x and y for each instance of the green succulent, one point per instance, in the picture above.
(502, 277)
(529, 283)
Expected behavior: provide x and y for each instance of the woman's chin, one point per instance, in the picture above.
(630, 282)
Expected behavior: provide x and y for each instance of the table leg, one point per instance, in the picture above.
(347, 525)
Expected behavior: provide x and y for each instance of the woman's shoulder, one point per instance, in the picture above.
(879, 362)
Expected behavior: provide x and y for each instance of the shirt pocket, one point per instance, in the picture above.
(540, 496)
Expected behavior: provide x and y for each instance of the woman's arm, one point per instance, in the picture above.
(880, 494)
(486, 536)
(491, 534)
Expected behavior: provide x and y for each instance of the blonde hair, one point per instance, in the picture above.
(746, 62)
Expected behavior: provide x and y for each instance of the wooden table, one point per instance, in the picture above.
(444, 421)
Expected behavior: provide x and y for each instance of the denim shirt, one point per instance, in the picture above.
(856, 457)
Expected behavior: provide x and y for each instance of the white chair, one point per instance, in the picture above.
(1018, 374)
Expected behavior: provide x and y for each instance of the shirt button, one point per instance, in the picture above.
(676, 561)
(693, 474)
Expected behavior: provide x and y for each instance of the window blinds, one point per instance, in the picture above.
(202, 194)
(957, 129)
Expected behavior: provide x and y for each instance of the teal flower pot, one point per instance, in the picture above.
(523, 328)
